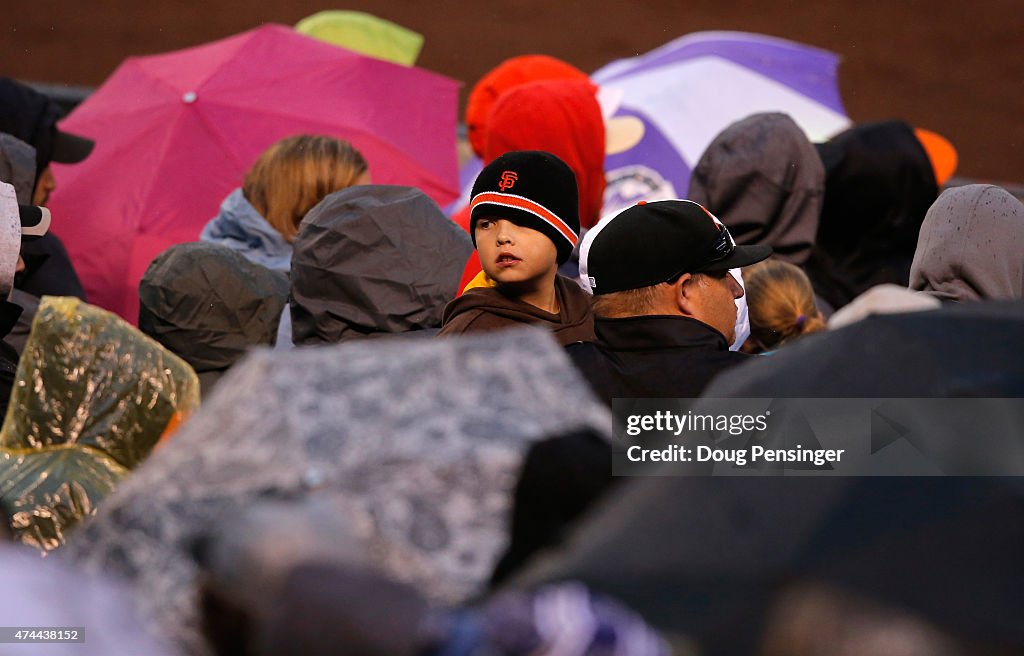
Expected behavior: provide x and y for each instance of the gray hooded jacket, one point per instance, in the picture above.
(18, 166)
(209, 304)
(373, 260)
(763, 178)
(971, 246)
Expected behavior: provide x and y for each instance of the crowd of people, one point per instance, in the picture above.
(781, 249)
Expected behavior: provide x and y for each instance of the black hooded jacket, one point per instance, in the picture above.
(879, 186)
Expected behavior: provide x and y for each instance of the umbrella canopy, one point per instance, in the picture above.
(45, 592)
(704, 557)
(176, 132)
(957, 351)
(419, 440)
(671, 102)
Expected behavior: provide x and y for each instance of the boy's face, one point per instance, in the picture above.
(514, 255)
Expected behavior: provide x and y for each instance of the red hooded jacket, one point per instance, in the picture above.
(560, 116)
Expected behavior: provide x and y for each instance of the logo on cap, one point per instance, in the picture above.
(508, 180)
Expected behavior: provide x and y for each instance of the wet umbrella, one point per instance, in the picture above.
(705, 556)
(671, 102)
(957, 351)
(176, 132)
(47, 593)
(420, 440)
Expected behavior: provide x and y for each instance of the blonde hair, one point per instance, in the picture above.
(780, 302)
(295, 174)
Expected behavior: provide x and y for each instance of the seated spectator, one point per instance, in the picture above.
(260, 220)
(561, 117)
(880, 180)
(663, 301)
(781, 303)
(763, 178)
(971, 246)
(524, 224)
(32, 117)
(371, 261)
(18, 223)
(209, 305)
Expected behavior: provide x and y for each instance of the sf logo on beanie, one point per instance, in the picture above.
(508, 179)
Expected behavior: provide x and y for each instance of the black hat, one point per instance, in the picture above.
(533, 189)
(654, 242)
(32, 117)
(35, 221)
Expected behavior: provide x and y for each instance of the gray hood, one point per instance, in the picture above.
(209, 305)
(18, 166)
(971, 246)
(763, 178)
(372, 260)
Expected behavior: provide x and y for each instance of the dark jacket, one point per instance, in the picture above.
(209, 305)
(879, 184)
(653, 357)
(484, 309)
(9, 313)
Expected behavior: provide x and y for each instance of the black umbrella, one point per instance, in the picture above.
(705, 556)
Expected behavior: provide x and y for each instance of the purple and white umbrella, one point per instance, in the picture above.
(668, 105)
(664, 108)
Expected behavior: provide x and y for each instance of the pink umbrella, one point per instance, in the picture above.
(175, 134)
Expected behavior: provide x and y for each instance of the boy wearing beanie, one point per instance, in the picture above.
(524, 221)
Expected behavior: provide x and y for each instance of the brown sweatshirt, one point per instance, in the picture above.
(483, 309)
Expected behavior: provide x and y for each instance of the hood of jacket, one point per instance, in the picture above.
(241, 228)
(563, 118)
(373, 259)
(209, 304)
(111, 393)
(18, 166)
(879, 185)
(510, 73)
(763, 178)
(971, 246)
(573, 322)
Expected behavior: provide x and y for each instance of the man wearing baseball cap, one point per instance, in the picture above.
(663, 300)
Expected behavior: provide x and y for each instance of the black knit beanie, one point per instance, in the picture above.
(533, 189)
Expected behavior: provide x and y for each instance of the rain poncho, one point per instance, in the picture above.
(208, 305)
(241, 228)
(92, 398)
(763, 178)
(419, 441)
(373, 260)
(971, 246)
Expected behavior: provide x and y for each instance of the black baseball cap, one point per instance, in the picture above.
(654, 242)
(35, 221)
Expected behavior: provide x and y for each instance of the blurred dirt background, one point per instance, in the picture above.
(953, 67)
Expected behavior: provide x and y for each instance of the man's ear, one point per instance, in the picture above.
(684, 294)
